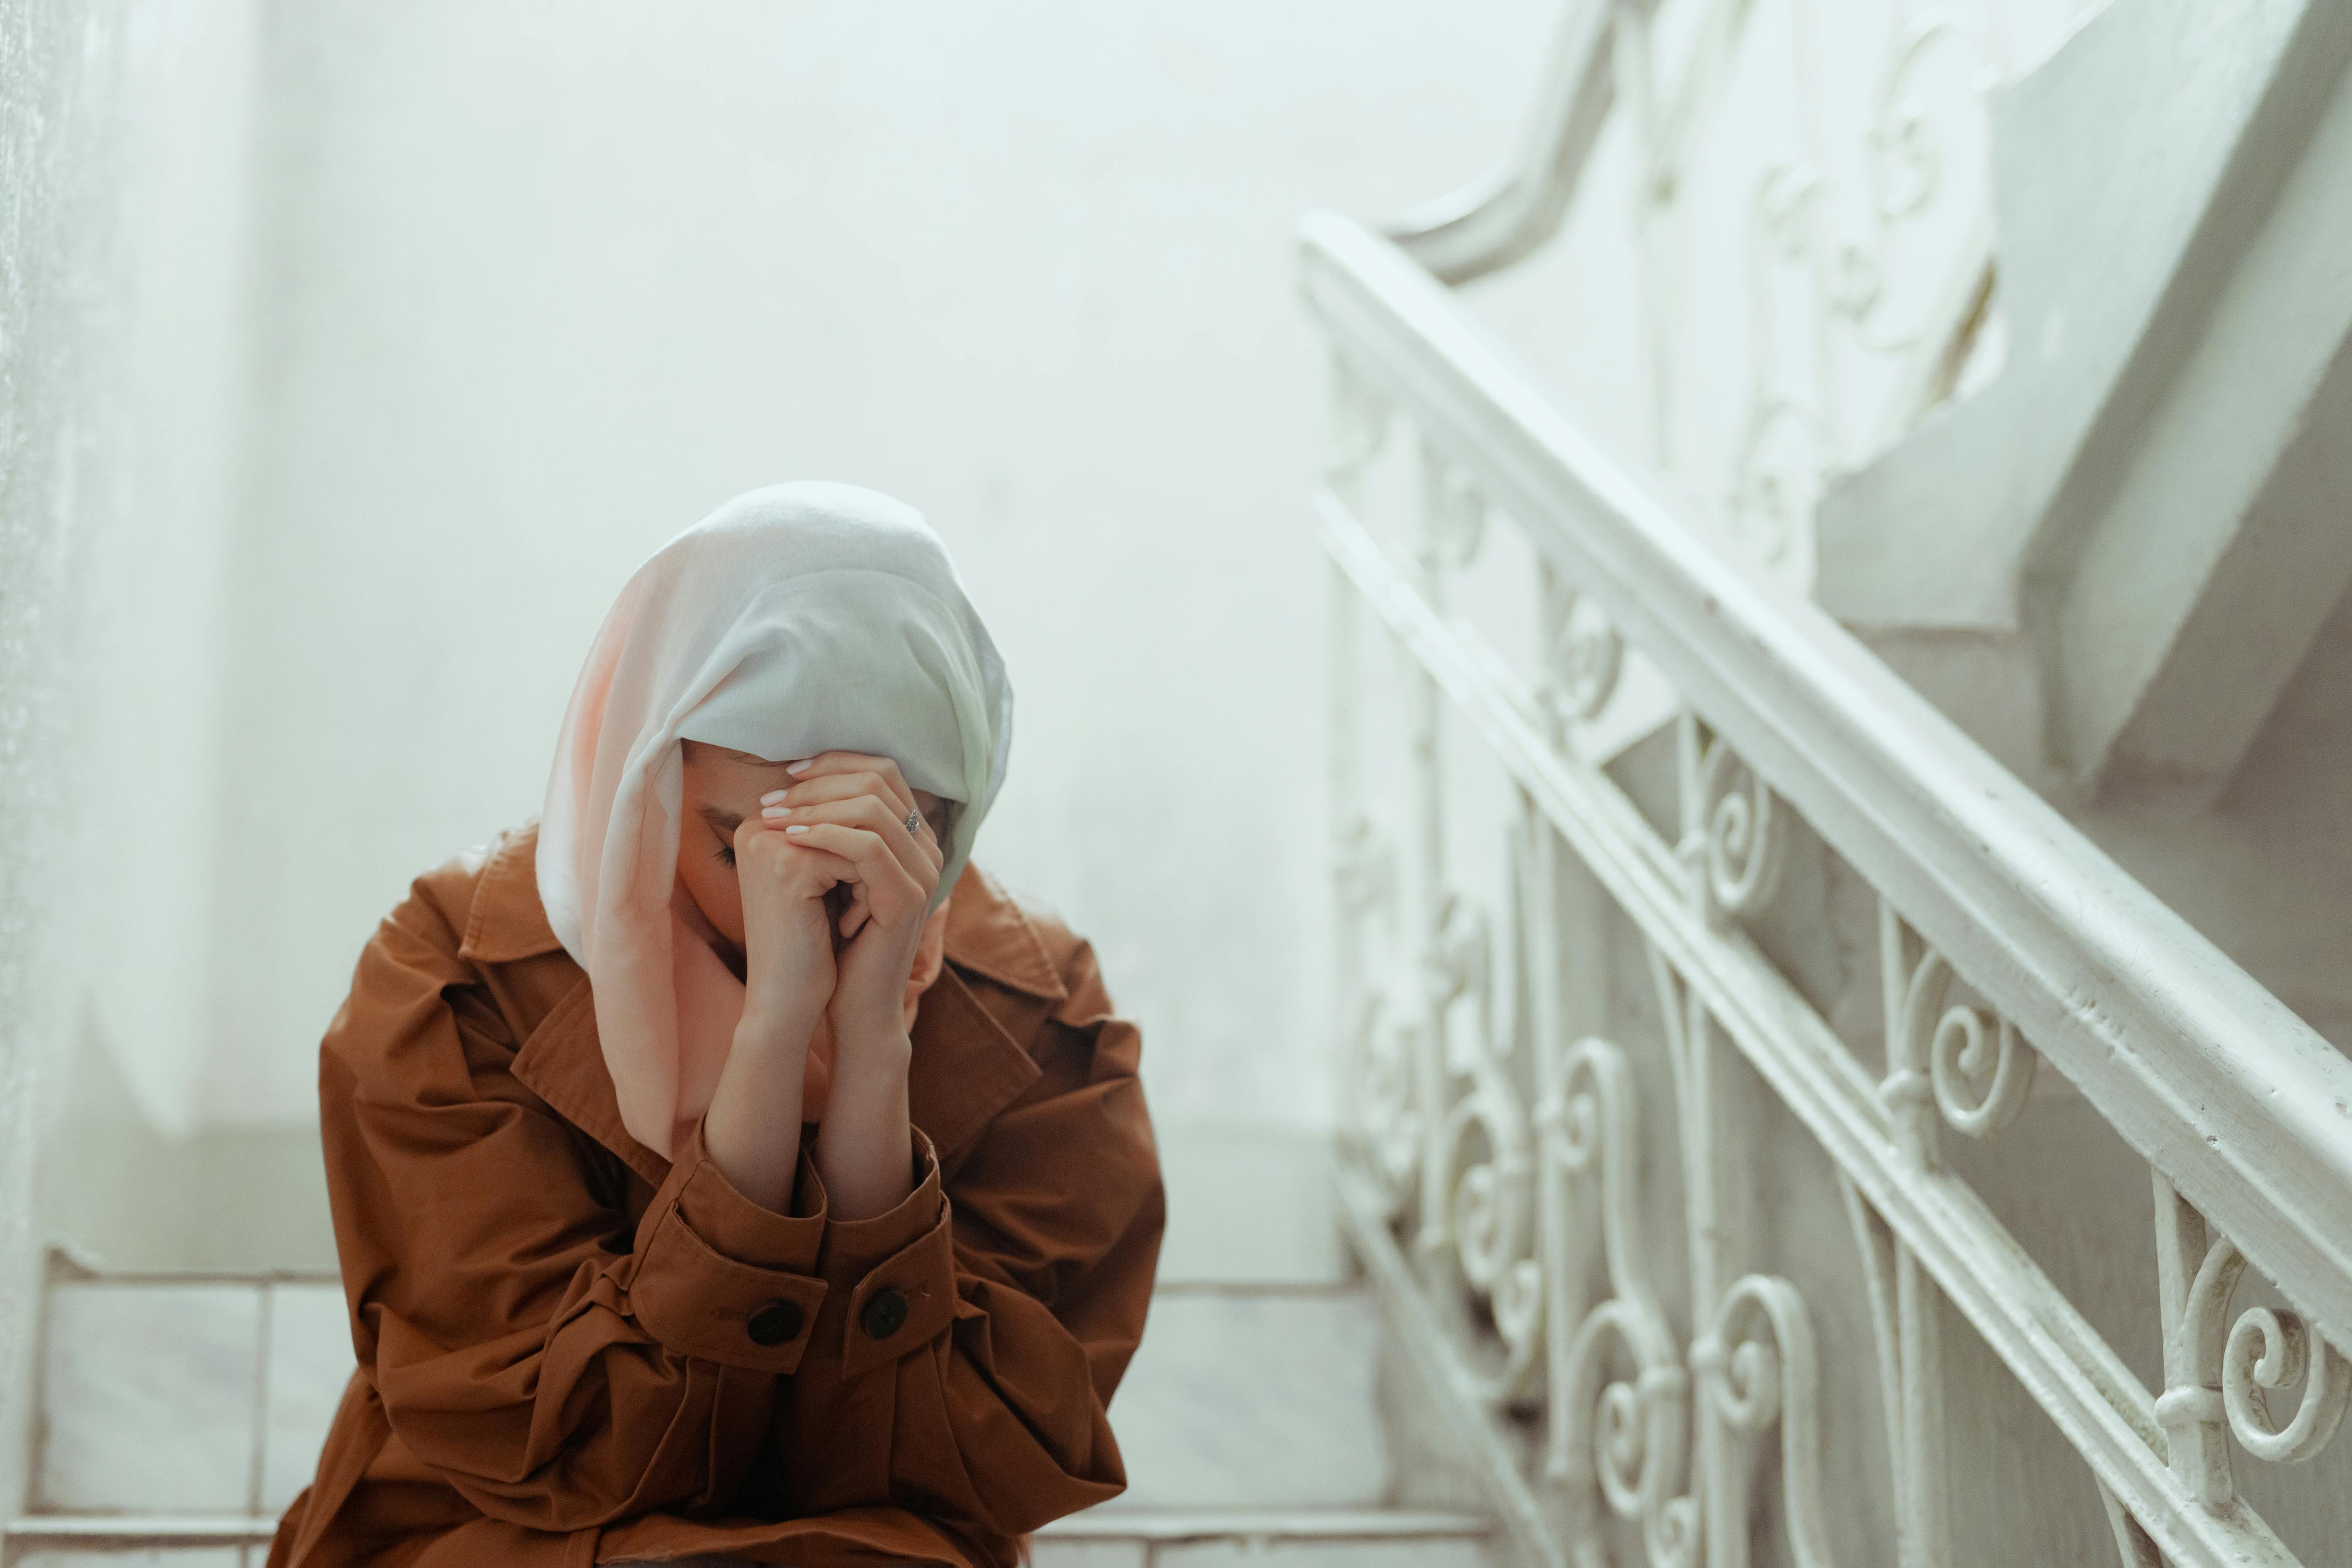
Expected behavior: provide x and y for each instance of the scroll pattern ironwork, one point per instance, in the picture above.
(1508, 1144)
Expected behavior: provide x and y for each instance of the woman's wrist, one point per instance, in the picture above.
(759, 1091)
(874, 1050)
(864, 1145)
(781, 1028)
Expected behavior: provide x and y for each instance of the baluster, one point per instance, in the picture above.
(1910, 1384)
(1618, 1444)
(1434, 526)
(2216, 1373)
(1569, 988)
(1456, 966)
(1351, 829)
(1723, 1494)
(1935, 1055)
(1489, 1218)
(2189, 1410)
(1582, 655)
(1909, 1092)
(1733, 846)
(1903, 1297)
(1933, 1052)
(1357, 429)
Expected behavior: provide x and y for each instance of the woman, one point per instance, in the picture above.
(722, 1167)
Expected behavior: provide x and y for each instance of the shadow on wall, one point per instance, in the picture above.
(121, 1193)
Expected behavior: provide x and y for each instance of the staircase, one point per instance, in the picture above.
(180, 1413)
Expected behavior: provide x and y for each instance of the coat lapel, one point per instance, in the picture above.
(508, 921)
(966, 1066)
(562, 1062)
(972, 1056)
(990, 936)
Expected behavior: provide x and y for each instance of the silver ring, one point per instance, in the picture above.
(914, 822)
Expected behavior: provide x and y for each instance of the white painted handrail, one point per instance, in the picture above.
(2204, 1072)
(2243, 1113)
(1501, 218)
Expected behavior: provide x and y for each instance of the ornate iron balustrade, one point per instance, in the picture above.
(1582, 1110)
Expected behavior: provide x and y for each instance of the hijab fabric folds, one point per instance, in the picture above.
(793, 620)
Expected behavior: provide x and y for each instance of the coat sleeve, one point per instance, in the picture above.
(555, 1368)
(978, 1397)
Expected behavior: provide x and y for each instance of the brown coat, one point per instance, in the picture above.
(570, 1349)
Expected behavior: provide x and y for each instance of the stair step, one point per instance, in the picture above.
(182, 1413)
(164, 1395)
(186, 1396)
(1116, 1521)
(1121, 1537)
(1249, 1206)
(1247, 1399)
(1115, 1537)
(153, 1532)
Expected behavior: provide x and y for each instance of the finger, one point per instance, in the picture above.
(855, 910)
(890, 891)
(887, 785)
(847, 786)
(916, 849)
(763, 850)
(893, 793)
(837, 764)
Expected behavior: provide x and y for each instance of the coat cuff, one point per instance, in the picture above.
(891, 1279)
(723, 1280)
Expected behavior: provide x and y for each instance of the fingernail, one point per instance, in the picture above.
(773, 797)
(799, 767)
(775, 811)
(789, 830)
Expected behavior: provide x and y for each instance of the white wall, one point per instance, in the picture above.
(42, 147)
(543, 286)
(122, 133)
(156, 590)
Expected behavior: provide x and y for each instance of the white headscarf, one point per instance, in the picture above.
(793, 620)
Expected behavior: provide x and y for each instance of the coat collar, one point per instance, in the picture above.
(966, 1066)
(988, 935)
(508, 921)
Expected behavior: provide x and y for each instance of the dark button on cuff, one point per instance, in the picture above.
(780, 1320)
(885, 1314)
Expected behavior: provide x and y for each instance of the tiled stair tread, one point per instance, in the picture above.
(152, 1401)
(151, 1530)
(1100, 1538)
(1115, 1523)
(1248, 1206)
(210, 1530)
(107, 1403)
(1257, 1398)
(1233, 1552)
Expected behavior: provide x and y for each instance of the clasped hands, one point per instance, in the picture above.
(835, 889)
